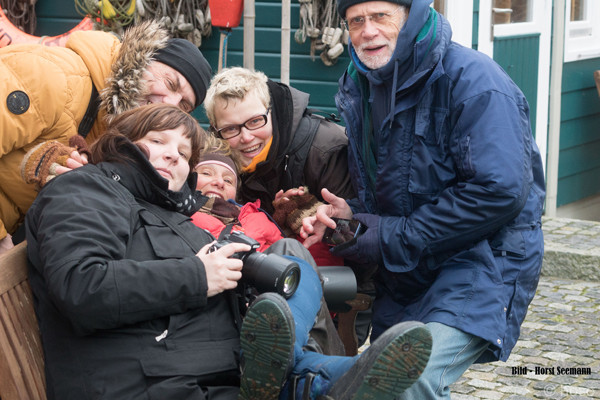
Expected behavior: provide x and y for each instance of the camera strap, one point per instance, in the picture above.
(226, 231)
(85, 126)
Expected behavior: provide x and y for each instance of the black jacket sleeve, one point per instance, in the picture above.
(78, 233)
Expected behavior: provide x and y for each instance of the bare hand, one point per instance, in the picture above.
(314, 227)
(222, 272)
(6, 244)
(282, 196)
(75, 160)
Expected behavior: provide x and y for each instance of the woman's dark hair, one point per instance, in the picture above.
(134, 124)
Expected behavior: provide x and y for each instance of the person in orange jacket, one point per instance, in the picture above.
(54, 95)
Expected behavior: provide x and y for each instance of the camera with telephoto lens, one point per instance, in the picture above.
(264, 272)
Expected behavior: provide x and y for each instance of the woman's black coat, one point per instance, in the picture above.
(121, 297)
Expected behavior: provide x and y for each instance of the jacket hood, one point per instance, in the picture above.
(288, 105)
(420, 46)
(299, 104)
(98, 50)
(124, 88)
(403, 63)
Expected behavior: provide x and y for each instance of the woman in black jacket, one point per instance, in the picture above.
(282, 145)
(130, 303)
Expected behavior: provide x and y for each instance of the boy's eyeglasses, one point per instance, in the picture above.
(379, 19)
(231, 131)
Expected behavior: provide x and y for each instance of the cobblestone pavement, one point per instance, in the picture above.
(561, 331)
(572, 249)
(560, 334)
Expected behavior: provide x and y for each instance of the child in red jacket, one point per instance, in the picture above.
(218, 180)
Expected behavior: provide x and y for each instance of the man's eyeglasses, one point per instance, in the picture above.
(378, 19)
(231, 131)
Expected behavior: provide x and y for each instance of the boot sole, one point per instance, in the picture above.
(394, 370)
(267, 342)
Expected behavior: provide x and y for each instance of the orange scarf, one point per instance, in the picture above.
(260, 157)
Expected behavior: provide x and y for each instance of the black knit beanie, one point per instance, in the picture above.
(342, 5)
(185, 57)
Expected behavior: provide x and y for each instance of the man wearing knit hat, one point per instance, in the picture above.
(450, 186)
(57, 96)
(185, 58)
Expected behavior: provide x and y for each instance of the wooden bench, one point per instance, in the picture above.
(347, 322)
(21, 356)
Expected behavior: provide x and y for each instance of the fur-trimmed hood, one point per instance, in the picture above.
(55, 83)
(123, 88)
(117, 67)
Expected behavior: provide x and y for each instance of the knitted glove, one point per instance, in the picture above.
(365, 249)
(39, 164)
(289, 213)
(79, 143)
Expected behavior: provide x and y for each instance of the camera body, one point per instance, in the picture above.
(264, 272)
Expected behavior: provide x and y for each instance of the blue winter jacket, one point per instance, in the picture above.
(457, 180)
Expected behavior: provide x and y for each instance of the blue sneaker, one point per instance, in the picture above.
(388, 367)
(267, 342)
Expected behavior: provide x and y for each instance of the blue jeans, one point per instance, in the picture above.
(304, 305)
(452, 353)
(323, 336)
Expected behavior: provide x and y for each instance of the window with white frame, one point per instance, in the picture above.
(512, 11)
(582, 30)
(517, 17)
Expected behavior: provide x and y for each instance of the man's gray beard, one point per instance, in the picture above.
(375, 62)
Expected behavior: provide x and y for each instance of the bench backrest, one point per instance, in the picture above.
(21, 355)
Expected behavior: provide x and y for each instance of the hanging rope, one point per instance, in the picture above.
(225, 42)
(187, 19)
(20, 13)
(320, 22)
